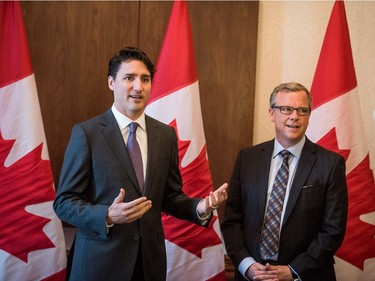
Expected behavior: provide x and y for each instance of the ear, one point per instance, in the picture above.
(271, 113)
(111, 83)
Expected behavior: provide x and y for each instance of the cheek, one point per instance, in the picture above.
(147, 92)
(305, 123)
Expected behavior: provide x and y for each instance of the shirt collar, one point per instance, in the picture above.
(124, 121)
(296, 150)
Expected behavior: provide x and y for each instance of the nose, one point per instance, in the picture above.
(294, 114)
(137, 85)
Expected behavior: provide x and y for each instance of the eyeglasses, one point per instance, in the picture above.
(288, 110)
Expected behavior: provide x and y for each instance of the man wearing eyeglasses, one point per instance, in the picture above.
(285, 217)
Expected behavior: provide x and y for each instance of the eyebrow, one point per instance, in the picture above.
(134, 75)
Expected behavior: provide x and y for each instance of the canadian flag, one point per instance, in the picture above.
(193, 252)
(32, 243)
(336, 124)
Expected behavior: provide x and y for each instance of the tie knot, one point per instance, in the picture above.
(285, 154)
(133, 127)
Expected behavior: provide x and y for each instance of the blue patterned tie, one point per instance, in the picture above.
(135, 153)
(270, 235)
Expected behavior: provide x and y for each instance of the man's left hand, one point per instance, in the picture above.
(284, 273)
(213, 200)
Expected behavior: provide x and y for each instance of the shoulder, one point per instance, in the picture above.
(258, 148)
(257, 155)
(101, 120)
(319, 150)
(154, 125)
(104, 118)
(322, 157)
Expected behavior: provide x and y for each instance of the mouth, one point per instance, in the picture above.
(137, 97)
(293, 126)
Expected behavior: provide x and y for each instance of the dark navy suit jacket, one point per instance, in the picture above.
(315, 217)
(96, 166)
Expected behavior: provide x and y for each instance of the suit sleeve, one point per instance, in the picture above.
(70, 203)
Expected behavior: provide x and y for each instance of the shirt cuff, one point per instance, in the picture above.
(294, 273)
(244, 266)
(108, 226)
(203, 218)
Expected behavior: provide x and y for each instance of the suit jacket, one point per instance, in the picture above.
(315, 217)
(96, 166)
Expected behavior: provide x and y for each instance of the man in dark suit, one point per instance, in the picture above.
(292, 236)
(120, 234)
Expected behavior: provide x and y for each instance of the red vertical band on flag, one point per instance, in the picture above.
(335, 84)
(31, 237)
(15, 62)
(193, 252)
(335, 74)
(176, 67)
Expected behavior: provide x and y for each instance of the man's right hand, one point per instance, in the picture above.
(120, 212)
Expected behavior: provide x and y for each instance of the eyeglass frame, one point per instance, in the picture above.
(298, 109)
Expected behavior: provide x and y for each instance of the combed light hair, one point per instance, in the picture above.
(289, 87)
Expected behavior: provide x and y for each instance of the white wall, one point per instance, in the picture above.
(290, 37)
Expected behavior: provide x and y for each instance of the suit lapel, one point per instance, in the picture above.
(264, 165)
(113, 136)
(304, 167)
(153, 144)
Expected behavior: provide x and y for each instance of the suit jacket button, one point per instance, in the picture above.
(136, 236)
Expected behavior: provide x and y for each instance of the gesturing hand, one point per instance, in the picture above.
(213, 200)
(120, 212)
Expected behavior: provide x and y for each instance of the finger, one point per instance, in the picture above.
(121, 196)
(214, 201)
(211, 199)
(145, 205)
(221, 196)
(136, 202)
(208, 204)
(221, 193)
(222, 187)
(224, 193)
(138, 211)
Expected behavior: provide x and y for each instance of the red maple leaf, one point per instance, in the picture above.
(26, 182)
(197, 182)
(329, 141)
(359, 242)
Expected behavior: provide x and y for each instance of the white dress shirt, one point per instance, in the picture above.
(123, 123)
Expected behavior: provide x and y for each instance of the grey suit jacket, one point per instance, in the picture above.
(315, 217)
(96, 166)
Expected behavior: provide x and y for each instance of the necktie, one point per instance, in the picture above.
(270, 234)
(135, 153)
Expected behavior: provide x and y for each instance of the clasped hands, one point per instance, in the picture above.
(269, 272)
(125, 212)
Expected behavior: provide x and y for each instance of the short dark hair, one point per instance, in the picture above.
(129, 54)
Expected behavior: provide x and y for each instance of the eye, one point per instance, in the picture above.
(129, 78)
(146, 79)
(304, 110)
(287, 109)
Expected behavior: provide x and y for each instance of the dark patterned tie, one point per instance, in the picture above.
(135, 153)
(270, 235)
